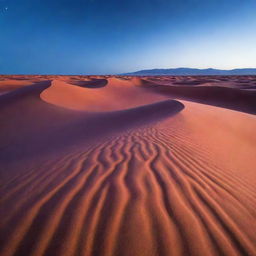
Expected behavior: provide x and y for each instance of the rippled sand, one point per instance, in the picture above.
(127, 166)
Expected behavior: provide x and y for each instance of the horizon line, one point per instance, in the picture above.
(116, 74)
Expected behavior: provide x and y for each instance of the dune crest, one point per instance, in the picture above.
(120, 170)
(117, 94)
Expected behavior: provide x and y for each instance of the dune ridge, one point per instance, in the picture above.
(147, 175)
(232, 96)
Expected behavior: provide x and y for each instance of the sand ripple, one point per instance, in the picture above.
(153, 186)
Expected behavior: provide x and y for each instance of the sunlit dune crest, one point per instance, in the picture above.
(131, 166)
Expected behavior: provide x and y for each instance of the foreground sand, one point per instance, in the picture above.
(126, 166)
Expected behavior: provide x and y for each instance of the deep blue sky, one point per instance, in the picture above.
(115, 36)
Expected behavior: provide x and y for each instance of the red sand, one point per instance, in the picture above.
(122, 166)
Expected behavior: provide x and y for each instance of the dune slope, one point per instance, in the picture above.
(120, 170)
(232, 96)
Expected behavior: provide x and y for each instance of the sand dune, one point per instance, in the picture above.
(117, 94)
(231, 95)
(110, 166)
(8, 85)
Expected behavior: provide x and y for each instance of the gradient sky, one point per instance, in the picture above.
(115, 36)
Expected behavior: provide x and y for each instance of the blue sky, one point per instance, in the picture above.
(115, 36)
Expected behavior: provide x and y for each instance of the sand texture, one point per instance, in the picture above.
(125, 166)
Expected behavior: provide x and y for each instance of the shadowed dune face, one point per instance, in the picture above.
(218, 96)
(124, 169)
(43, 124)
(230, 95)
(94, 83)
(8, 85)
(195, 82)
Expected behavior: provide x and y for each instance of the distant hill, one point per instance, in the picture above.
(192, 72)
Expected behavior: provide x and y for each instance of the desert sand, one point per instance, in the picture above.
(127, 166)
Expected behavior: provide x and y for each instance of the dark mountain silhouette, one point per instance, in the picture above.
(192, 72)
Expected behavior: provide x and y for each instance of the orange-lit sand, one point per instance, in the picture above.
(127, 166)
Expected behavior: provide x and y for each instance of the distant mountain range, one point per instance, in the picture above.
(192, 72)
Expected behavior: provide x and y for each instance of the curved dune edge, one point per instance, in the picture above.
(9, 85)
(64, 127)
(89, 83)
(117, 94)
(183, 185)
(237, 98)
